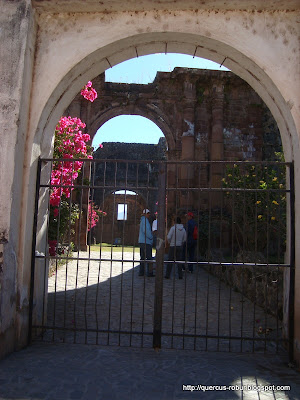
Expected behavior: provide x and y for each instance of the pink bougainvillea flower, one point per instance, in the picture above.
(88, 92)
(94, 215)
(69, 143)
(52, 247)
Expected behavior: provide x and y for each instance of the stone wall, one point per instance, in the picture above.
(17, 36)
(207, 115)
(109, 228)
(263, 285)
(222, 113)
(204, 115)
(125, 176)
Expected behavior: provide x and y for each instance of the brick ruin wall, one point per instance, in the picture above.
(220, 114)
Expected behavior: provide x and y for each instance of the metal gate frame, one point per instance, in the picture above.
(163, 190)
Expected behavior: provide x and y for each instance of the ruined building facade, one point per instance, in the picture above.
(204, 115)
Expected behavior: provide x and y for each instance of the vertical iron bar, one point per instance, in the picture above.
(145, 269)
(189, 166)
(278, 260)
(232, 259)
(36, 205)
(67, 260)
(220, 267)
(122, 258)
(209, 245)
(160, 251)
(173, 262)
(292, 264)
(267, 272)
(254, 269)
(111, 251)
(100, 253)
(86, 198)
(46, 249)
(146, 263)
(198, 195)
(89, 203)
(78, 255)
(70, 206)
(244, 251)
(173, 267)
(136, 168)
(56, 250)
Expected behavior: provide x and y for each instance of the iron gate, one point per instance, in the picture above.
(86, 286)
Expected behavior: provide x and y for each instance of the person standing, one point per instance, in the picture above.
(176, 237)
(145, 242)
(191, 240)
(154, 230)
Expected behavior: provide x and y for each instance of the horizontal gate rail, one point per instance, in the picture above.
(204, 263)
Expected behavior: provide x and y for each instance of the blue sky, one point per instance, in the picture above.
(142, 70)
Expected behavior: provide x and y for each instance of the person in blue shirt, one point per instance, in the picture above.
(145, 242)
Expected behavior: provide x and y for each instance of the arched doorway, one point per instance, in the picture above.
(275, 102)
(125, 138)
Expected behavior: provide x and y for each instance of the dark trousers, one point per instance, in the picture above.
(154, 239)
(175, 253)
(189, 254)
(145, 254)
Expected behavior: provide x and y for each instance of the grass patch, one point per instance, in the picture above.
(108, 247)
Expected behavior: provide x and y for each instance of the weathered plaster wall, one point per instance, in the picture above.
(252, 34)
(172, 5)
(17, 37)
(261, 45)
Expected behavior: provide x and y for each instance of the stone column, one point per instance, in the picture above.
(172, 179)
(187, 154)
(217, 142)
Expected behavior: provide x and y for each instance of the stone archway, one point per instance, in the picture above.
(266, 95)
(192, 107)
(250, 72)
(108, 38)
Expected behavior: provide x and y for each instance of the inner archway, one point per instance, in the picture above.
(128, 129)
(125, 138)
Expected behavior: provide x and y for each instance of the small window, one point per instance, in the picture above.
(126, 192)
(122, 212)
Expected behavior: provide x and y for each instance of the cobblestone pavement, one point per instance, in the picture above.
(84, 296)
(88, 296)
(74, 371)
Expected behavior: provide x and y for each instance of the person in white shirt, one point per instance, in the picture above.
(176, 237)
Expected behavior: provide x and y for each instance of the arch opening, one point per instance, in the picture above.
(194, 45)
(128, 129)
(86, 69)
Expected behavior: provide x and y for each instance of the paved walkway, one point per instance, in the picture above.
(87, 298)
(113, 296)
(65, 371)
